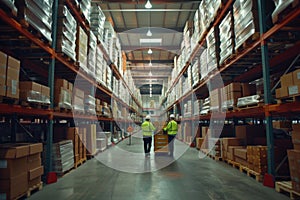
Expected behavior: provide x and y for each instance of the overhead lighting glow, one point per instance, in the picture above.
(148, 5)
(149, 33)
(150, 73)
(150, 63)
(152, 41)
(150, 51)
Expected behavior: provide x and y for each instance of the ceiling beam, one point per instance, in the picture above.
(144, 1)
(153, 61)
(169, 29)
(165, 48)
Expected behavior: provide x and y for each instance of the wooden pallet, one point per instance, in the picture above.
(280, 16)
(67, 57)
(63, 110)
(286, 188)
(61, 174)
(256, 105)
(295, 98)
(35, 105)
(233, 164)
(34, 31)
(248, 42)
(8, 100)
(37, 187)
(80, 162)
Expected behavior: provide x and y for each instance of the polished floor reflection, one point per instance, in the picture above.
(186, 177)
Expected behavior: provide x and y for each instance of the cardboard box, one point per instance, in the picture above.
(241, 161)
(296, 127)
(3, 59)
(10, 168)
(34, 182)
(35, 173)
(248, 89)
(296, 139)
(11, 151)
(296, 76)
(294, 165)
(45, 91)
(230, 152)
(14, 187)
(234, 87)
(35, 148)
(226, 142)
(294, 89)
(61, 83)
(3, 90)
(30, 86)
(287, 80)
(297, 147)
(282, 92)
(34, 161)
(13, 63)
(199, 142)
(282, 124)
(3, 64)
(79, 93)
(249, 132)
(241, 153)
(70, 86)
(13, 91)
(12, 75)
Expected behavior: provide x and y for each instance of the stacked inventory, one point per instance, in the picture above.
(206, 107)
(290, 85)
(257, 159)
(226, 37)
(101, 141)
(108, 77)
(92, 54)
(195, 72)
(230, 95)
(109, 34)
(9, 79)
(228, 146)
(203, 64)
(78, 100)
(198, 104)
(63, 156)
(63, 94)
(20, 169)
(197, 30)
(187, 109)
(211, 51)
(89, 104)
(66, 32)
(187, 33)
(82, 48)
(116, 53)
(97, 18)
(85, 8)
(294, 158)
(91, 136)
(281, 6)
(11, 5)
(245, 20)
(82, 144)
(240, 156)
(215, 100)
(100, 63)
(31, 92)
(38, 14)
(73, 134)
(98, 107)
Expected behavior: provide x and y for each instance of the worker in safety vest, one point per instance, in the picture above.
(172, 129)
(147, 129)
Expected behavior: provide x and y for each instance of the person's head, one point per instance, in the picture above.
(172, 116)
(147, 118)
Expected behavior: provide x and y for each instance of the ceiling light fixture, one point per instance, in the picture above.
(149, 33)
(148, 5)
(150, 51)
(150, 63)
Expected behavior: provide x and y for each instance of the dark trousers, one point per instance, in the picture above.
(147, 144)
(171, 140)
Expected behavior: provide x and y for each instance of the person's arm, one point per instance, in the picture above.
(167, 127)
(152, 127)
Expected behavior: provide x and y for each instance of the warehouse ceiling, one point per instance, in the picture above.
(165, 20)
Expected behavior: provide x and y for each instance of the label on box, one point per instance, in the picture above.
(293, 90)
(14, 87)
(3, 164)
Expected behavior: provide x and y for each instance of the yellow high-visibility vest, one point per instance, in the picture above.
(147, 128)
(171, 128)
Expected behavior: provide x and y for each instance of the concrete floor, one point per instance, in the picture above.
(188, 177)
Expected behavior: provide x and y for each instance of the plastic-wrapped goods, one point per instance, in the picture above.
(85, 8)
(62, 156)
(10, 4)
(226, 37)
(92, 54)
(66, 33)
(37, 13)
(249, 100)
(211, 51)
(203, 64)
(280, 6)
(100, 63)
(82, 48)
(205, 107)
(245, 20)
(195, 72)
(90, 104)
(97, 19)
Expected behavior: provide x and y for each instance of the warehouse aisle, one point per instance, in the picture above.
(186, 178)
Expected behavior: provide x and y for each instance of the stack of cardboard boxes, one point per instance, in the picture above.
(228, 146)
(257, 159)
(82, 143)
(20, 169)
(9, 76)
(294, 158)
(78, 100)
(82, 48)
(33, 92)
(63, 94)
(215, 100)
(91, 149)
(290, 85)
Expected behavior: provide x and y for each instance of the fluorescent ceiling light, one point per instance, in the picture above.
(148, 5)
(150, 73)
(149, 33)
(150, 63)
(150, 40)
(150, 51)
